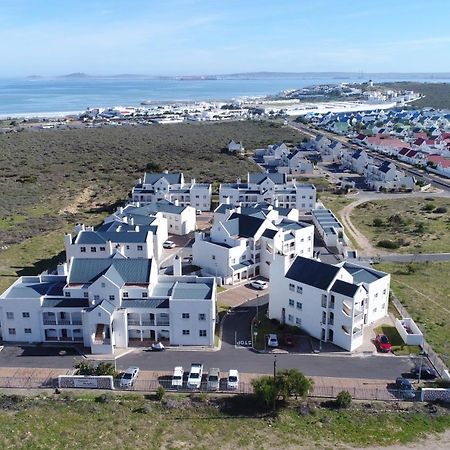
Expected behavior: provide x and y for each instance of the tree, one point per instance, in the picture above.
(343, 399)
(265, 390)
(104, 368)
(378, 222)
(84, 368)
(292, 382)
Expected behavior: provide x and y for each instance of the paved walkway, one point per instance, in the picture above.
(238, 294)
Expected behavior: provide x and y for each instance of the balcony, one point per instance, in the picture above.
(359, 315)
(63, 322)
(49, 321)
(147, 323)
(162, 322)
(134, 322)
(76, 322)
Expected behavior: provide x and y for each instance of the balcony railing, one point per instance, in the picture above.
(102, 341)
(162, 322)
(148, 323)
(134, 322)
(76, 322)
(49, 321)
(63, 322)
(358, 316)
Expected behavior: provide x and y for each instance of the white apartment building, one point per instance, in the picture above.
(181, 220)
(386, 176)
(110, 303)
(271, 188)
(172, 187)
(118, 235)
(242, 246)
(331, 303)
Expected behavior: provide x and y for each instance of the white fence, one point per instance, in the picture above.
(433, 394)
(86, 382)
(409, 331)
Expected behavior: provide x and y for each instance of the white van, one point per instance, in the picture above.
(233, 379)
(177, 377)
(195, 376)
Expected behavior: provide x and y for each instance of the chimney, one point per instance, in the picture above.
(193, 181)
(176, 202)
(226, 200)
(238, 181)
(166, 171)
(177, 269)
(125, 219)
(131, 220)
(140, 181)
(120, 210)
(137, 228)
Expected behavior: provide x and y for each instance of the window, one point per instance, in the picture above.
(128, 247)
(291, 302)
(186, 332)
(376, 295)
(324, 301)
(324, 317)
(185, 316)
(298, 321)
(299, 290)
(10, 315)
(202, 316)
(25, 315)
(83, 249)
(290, 318)
(145, 295)
(102, 249)
(67, 294)
(291, 287)
(103, 285)
(309, 238)
(299, 305)
(202, 333)
(112, 297)
(140, 248)
(125, 295)
(213, 256)
(86, 294)
(96, 298)
(93, 249)
(11, 330)
(384, 291)
(27, 330)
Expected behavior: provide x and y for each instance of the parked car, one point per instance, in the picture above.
(272, 340)
(258, 284)
(129, 377)
(382, 343)
(213, 379)
(288, 340)
(405, 387)
(177, 377)
(195, 376)
(158, 347)
(169, 244)
(198, 212)
(426, 372)
(233, 379)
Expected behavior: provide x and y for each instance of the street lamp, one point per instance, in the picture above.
(320, 341)
(274, 366)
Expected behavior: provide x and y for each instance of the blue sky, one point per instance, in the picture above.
(173, 37)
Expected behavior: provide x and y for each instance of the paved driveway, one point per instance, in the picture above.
(239, 294)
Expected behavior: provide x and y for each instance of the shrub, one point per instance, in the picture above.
(377, 222)
(440, 210)
(386, 243)
(428, 207)
(343, 399)
(160, 393)
(265, 390)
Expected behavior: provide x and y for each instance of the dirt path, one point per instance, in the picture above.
(365, 246)
(433, 442)
(80, 200)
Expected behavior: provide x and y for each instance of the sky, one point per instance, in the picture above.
(192, 37)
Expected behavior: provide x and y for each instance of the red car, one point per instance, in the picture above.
(288, 339)
(383, 344)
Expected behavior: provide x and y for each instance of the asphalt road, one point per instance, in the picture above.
(229, 357)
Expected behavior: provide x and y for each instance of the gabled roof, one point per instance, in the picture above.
(172, 178)
(344, 288)
(362, 274)
(243, 226)
(386, 166)
(311, 272)
(131, 271)
(258, 178)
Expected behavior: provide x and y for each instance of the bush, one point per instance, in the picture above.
(429, 207)
(377, 222)
(265, 390)
(440, 210)
(386, 243)
(343, 399)
(160, 393)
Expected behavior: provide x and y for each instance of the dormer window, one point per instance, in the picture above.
(67, 294)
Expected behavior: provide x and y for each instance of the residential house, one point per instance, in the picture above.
(173, 188)
(386, 176)
(110, 303)
(235, 147)
(295, 163)
(330, 230)
(332, 303)
(439, 164)
(271, 188)
(356, 161)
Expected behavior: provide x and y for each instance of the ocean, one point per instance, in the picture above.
(50, 96)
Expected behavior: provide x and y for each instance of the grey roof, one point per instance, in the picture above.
(223, 208)
(145, 303)
(311, 272)
(363, 274)
(258, 178)
(287, 224)
(242, 264)
(344, 288)
(198, 291)
(107, 306)
(88, 237)
(65, 302)
(163, 289)
(35, 289)
(243, 226)
(131, 271)
(269, 233)
(172, 178)
(386, 166)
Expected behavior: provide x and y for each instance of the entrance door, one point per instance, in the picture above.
(64, 334)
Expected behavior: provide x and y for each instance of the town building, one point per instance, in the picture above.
(110, 303)
(235, 147)
(173, 188)
(271, 188)
(332, 303)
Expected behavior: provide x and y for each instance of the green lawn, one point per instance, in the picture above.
(424, 290)
(415, 224)
(398, 346)
(200, 422)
